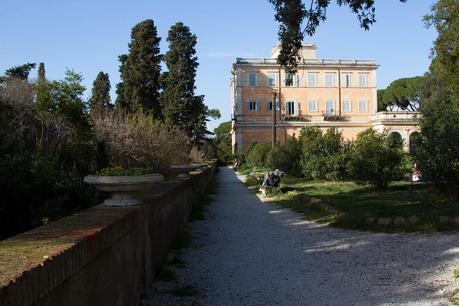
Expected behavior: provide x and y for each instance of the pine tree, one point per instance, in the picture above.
(180, 106)
(100, 98)
(20, 72)
(140, 70)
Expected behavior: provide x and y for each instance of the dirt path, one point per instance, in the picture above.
(250, 253)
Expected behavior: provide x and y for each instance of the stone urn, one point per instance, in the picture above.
(123, 187)
(183, 171)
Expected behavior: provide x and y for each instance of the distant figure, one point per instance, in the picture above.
(272, 179)
(415, 173)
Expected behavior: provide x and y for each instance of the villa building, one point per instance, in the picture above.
(323, 93)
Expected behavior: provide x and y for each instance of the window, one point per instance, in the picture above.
(290, 109)
(347, 106)
(252, 106)
(363, 106)
(291, 80)
(363, 79)
(330, 108)
(313, 106)
(312, 79)
(252, 79)
(272, 79)
(346, 79)
(269, 106)
(330, 79)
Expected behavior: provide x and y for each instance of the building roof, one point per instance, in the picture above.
(308, 54)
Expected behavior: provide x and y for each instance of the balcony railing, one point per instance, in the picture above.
(297, 118)
(397, 116)
(332, 116)
(272, 61)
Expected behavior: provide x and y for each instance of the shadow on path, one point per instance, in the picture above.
(247, 252)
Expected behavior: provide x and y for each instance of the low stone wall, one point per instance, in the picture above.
(99, 256)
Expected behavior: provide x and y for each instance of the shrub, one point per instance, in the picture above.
(376, 159)
(137, 140)
(197, 155)
(257, 154)
(438, 152)
(44, 153)
(287, 157)
(323, 155)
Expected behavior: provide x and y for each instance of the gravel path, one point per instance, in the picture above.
(250, 253)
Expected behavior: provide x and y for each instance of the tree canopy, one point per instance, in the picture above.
(445, 18)
(404, 93)
(178, 99)
(41, 73)
(19, 72)
(100, 98)
(438, 154)
(292, 13)
(181, 107)
(140, 70)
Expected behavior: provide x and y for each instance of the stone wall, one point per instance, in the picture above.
(99, 256)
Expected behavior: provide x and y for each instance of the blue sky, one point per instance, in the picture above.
(88, 36)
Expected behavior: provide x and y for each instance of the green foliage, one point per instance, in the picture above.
(287, 157)
(252, 181)
(120, 171)
(100, 98)
(41, 73)
(291, 13)
(355, 206)
(140, 70)
(180, 105)
(20, 72)
(258, 153)
(445, 18)
(214, 113)
(438, 152)
(376, 159)
(223, 142)
(45, 150)
(402, 92)
(323, 155)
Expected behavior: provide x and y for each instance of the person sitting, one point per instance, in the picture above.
(272, 179)
(415, 174)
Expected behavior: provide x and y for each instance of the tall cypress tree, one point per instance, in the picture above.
(140, 70)
(42, 90)
(100, 98)
(41, 73)
(180, 106)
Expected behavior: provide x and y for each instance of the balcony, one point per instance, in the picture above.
(332, 116)
(397, 117)
(297, 118)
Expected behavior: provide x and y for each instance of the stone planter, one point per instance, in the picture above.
(122, 188)
(183, 171)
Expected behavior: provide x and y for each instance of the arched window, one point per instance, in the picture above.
(396, 138)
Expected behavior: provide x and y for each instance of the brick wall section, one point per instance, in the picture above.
(100, 256)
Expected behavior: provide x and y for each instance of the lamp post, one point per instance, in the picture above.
(274, 118)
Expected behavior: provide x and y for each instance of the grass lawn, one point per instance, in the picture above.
(400, 208)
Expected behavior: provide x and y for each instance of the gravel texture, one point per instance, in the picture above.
(247, 252)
